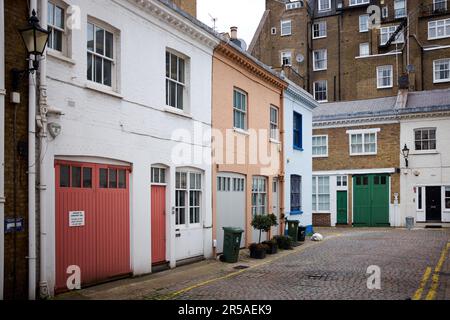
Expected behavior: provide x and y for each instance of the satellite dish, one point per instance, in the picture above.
(300, 58)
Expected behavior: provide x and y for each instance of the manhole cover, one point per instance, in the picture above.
(322, 277)
(240, 267)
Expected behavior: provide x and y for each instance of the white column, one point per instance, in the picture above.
(2, 144)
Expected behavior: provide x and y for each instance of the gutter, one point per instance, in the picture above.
(2, 144)
(42, 124)
(32, 178)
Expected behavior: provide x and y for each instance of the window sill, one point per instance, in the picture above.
(441, 81)
(381, 88)
(323, 37)
(318, 157)
(102, 89)
(240, 131)
(177, 112)
(296, 213)
(362, 154)
(59, 56)
(425, 152)
(298, 149)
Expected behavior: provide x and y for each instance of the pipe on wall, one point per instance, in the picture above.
(42, 123)
(32, 178)
(2, 144)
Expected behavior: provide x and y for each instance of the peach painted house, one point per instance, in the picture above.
(247, 141)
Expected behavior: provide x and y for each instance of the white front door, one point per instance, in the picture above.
(188, 215)
(276, 206)
(230, 206)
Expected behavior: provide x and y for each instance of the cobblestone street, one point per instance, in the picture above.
(332, 269)
(336, 269)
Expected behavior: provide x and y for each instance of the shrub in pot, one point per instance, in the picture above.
(263, 223)
(258, 250)
(284, 242)
(272, 246)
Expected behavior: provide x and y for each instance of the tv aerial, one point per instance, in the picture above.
(214, 21)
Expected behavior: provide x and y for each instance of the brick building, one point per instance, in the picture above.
(189, 6)
(15, 263)
(356, 151)
(330, 48)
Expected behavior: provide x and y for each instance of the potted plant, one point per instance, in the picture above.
(284, 242)
(272, 246)
(263, 223)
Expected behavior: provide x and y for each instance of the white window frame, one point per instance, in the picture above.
(367, 45)
(341, 180)
(244, 112)
(65, 34)
(381, 68)
(389, 31)
(258, 189)
(324, 155)
(397, 8)
(363, 133)
(328, 8)
(434, 25)
(358, 2)
(325, 59)
(326, 90)
(287, 55)
(114, 60)
(158, 176)
(273, 31)
(274, 125)
(420, 195)
(445, 198)
(367, 24)
(319, 24)
(447, 61)
(424, 140)
(385, 12)
(315, 192)
(187, 205)
(286, 22)
(177, 82)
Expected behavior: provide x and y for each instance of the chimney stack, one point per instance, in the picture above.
(233, 33)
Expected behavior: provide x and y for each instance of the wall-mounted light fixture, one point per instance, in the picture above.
(35, 39)
(405, 153)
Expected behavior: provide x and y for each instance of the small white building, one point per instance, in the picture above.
(298, 117)
(425, 181)
(127, 155)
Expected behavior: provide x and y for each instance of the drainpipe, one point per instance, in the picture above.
(283, 157)
(32, 178)
(42, 124)
(2, 144)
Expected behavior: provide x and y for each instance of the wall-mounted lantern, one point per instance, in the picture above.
(405, 153)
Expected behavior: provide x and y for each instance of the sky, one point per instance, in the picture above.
(244, 14)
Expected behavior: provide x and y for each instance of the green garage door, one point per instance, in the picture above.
(371, 201)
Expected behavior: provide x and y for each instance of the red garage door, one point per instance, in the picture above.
(92, 221)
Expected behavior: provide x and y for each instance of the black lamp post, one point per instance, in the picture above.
(35, 39)
(405, 153)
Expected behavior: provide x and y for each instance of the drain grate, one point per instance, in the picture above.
(241, 267)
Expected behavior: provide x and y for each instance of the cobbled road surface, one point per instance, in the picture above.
(337, 269)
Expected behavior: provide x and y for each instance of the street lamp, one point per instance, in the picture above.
(35, 39)
(405, 153)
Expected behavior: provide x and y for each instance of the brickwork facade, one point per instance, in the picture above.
(16, 245)
(350, 74)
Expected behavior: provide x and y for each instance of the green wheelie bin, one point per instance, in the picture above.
(293, 230)
(231, 244)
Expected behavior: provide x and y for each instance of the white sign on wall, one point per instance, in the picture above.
(76, 219)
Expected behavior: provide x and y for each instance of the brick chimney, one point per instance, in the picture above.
(189, 6)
